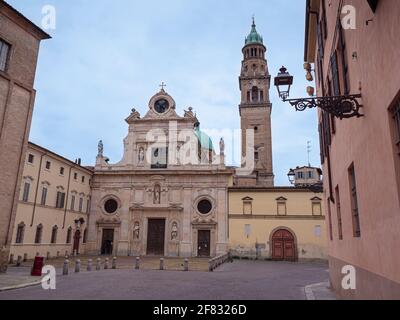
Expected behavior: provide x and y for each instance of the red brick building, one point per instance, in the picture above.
(360, 156)
(19, 48)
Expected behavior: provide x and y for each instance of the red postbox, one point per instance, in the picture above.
(37, 267)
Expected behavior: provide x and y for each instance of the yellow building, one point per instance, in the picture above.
(279, 223)
(51, 216)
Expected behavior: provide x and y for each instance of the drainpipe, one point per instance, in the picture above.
(37, 188)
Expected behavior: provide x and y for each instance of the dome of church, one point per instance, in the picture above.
(204, 139)
(254, 37)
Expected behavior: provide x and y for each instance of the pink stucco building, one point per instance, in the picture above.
(360, 156)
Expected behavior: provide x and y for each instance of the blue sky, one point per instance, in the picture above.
(107, 57)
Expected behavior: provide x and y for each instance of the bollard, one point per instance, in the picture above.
(162, 264)
(66, 267)
(106, 264)
(186, 265)
(114, 263)
(137, 264)
(78, 266)
(98, 264)
(89, 265)
(19, 261)
(11, 258)
(25, 257)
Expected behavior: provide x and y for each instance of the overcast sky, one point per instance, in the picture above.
(107, 57)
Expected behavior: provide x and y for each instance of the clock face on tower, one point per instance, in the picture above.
(161, 106)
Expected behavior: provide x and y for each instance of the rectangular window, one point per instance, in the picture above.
(4, 54)
(69, 236)
(310, 175)
(87, 206)
(54, 235)
(316, 208)
(159, 158)
(80, 204)
(31, 158)
(75, 176)
(48, 165)
(344, 61)
(25, 196)
(339, 213)
(282, 209)
(38, 235)
(62, 170)
(44, 196)
(72, 203)
(20, 234)
(60, 201)
(317, 231)
(335, 74)
(247, 207)
(83, 179)
(354, 202)
(247, 230)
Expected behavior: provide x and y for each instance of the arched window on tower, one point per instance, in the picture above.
(254, 95)
(248, 96)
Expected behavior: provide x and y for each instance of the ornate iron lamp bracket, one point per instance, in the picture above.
(340, 106)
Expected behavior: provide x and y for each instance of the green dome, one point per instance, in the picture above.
(204, 139)
(254, 36)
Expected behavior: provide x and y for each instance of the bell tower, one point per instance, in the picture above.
(255, 109)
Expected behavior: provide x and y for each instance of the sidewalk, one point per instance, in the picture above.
(16, 281)
(320, 291)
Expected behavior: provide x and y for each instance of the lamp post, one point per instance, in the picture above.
(347, 106)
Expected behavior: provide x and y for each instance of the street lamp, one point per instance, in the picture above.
(283, 82)
(346, 106)
(292, 176)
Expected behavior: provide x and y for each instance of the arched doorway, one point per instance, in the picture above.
(77, 239)
(283, 245)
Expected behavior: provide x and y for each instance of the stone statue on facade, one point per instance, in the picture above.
(136, 231)
(222, 146)
(174, 231)
(157, 194)
(100, 148)
(141, 155)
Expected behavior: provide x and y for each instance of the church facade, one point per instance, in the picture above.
(168, 195)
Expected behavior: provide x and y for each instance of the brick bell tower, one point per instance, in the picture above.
(255, 109)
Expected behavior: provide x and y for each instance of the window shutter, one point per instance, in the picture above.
(335, 75)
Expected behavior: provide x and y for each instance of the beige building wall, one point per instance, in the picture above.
(22, 38)
(62, 176)
(256, 214)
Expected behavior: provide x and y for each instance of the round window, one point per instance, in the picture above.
(204, 206)
(111, 206)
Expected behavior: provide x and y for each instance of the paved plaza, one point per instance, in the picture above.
(240, 280)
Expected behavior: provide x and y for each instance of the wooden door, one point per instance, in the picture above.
(283, 246)
(204, 241)
(156, 237)
(107, 242)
